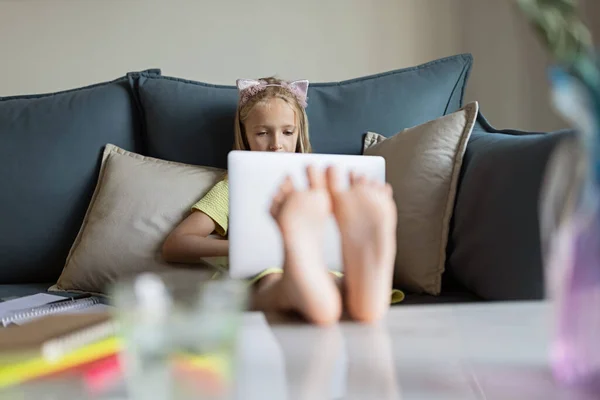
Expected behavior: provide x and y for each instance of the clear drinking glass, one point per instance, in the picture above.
(179, 332)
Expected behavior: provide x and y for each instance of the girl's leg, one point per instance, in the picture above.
(269, 295)
(305, 285)
(367, 219)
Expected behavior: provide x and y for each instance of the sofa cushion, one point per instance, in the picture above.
(137, 202)
(9, 292)
(494, 247)
(50, 148)
(422, 166)
(192, 122)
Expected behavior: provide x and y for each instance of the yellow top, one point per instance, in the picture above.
(215, 204)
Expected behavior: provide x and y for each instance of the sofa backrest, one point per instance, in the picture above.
(51, 144)
(494, 247)
(50, 149)
(192, 122)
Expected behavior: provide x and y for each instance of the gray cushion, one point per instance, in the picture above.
(50, 149)
(192, 122)
(443, 298)
(186, 121)
(494, 248)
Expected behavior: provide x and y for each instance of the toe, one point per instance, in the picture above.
(353, 177)
(275, 209)
(316, 178)
(356, 179)
(388, 190)
(333, 180)
(287, 187)
(276, 204)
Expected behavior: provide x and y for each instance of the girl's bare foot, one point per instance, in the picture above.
(367, 218)
(301, 216)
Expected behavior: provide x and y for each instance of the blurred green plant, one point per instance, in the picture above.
(575, 75)
(566, 37)
(571, 210)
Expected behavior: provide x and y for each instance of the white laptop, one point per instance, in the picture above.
(254, 177)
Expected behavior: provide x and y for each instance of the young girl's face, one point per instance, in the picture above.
(271, 126)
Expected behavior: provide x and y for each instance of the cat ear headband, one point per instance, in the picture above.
(248, 88)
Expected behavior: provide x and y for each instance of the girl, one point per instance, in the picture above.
(271, 117)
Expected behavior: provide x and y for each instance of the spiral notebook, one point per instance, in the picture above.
(25, 309)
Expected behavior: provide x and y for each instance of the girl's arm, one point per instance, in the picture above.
(189, 241)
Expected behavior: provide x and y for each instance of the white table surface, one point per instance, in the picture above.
(470, 351)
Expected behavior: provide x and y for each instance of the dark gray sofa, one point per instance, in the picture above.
(50, 148)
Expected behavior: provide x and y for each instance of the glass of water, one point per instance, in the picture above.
(179, 332)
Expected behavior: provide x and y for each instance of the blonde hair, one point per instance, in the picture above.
(240, 141)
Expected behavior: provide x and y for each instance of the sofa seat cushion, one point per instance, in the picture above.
(442, 298)
(9, 292)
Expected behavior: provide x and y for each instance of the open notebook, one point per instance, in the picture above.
(28, 308)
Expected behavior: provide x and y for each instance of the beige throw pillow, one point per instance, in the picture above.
(138, 200)
(422, 166)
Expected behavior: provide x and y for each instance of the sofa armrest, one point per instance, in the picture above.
(494, 245)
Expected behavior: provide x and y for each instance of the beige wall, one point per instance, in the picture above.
(591, 13)
(509, 75)
(49, 45)
(63, 43)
